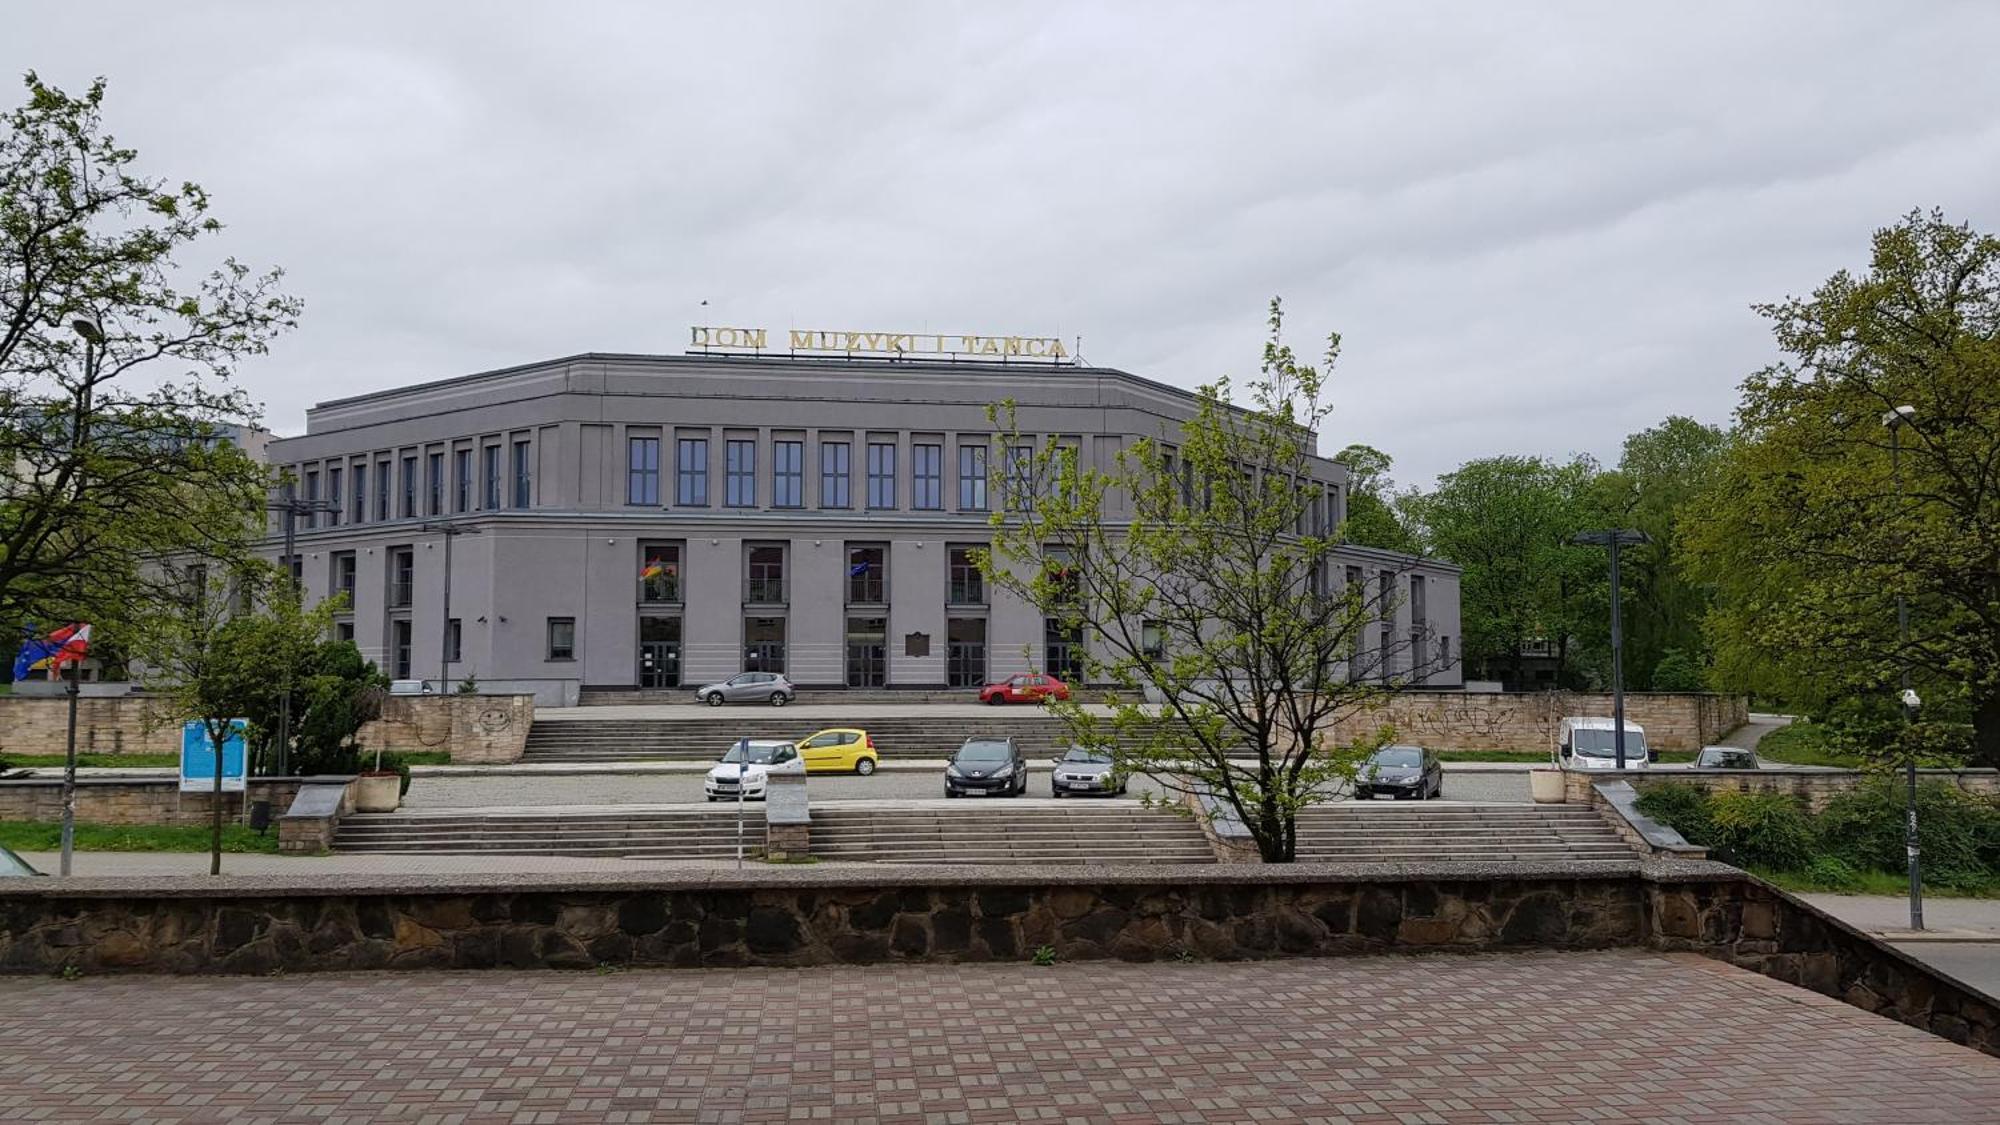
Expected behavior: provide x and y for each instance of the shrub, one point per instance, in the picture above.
(1959, 832)
(1676, 671)
(1831, 872)
(1681, 807)
(1761, 830)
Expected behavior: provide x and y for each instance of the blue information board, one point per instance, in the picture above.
(198, 758)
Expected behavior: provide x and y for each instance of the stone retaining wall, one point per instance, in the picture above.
(474, 729)
(146, 800)
(1815, 787)
(1458, 720)
(122, 724)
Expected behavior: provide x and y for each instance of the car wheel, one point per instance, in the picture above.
(996, 699)
(865, 766)
(1437, 794)
(713, 699)
(1363, 795)
(948, 792)
(1055, 793)
(778, 699)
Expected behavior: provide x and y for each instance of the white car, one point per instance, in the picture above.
(744, 772)
(1589, 744)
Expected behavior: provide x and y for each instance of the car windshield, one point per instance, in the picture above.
(1729, 759)
(985, 752)
(1399, 756)
(760, 753)
(1593, 743)
(11, 864)
(1080, 754)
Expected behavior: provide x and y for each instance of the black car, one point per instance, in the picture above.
(1084, 770)
(1400, 771)
(987, 767)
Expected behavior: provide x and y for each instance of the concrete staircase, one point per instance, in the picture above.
(1373, 832)
(1107, 832)
(705, 738)
(632, 833)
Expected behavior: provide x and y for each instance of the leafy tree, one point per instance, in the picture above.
(113, 369)
(1662, 470)
(1371, 516)
(1676, 671)
(1508, 521)
(1196, 572)
(1806, 536)
(333, 690)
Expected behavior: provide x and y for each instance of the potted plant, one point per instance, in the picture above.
(1545, 784)
(379, 790)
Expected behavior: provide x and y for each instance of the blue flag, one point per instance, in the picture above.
(857, 570)
(34, 651)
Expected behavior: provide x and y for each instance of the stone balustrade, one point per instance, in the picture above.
(140, 800)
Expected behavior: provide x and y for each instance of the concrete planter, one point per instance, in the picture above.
(1545, 784)
(378, 792)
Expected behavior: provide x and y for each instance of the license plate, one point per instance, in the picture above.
(975, 792)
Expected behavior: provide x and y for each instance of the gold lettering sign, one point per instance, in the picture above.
(898, 344)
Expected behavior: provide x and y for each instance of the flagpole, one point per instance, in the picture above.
(69, 769)
(92, 335)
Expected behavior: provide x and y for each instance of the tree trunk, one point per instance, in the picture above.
(1275, 841)
(1986, 730)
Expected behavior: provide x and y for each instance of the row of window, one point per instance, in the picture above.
(765, 579)
(741, 481)
(407, 493)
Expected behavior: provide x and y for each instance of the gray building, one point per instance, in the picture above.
(658, 522)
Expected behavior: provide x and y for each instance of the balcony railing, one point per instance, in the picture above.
(764, 591)
(402, 594)
(966, 591)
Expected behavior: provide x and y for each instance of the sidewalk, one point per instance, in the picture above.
(1888, 917)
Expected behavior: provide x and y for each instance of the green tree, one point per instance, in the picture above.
(1371, 514)
(1190, 578)
(1508, 521)
(1661, 472)
(114, 369)
(1807, 537)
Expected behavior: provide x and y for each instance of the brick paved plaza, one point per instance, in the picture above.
(1611, 1036)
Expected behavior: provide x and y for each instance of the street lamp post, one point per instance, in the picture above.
(1614, 538)
(1896, 419)
(292, 508)
(93, 348)
(450, 531)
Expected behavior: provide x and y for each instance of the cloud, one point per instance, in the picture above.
(1538, 229)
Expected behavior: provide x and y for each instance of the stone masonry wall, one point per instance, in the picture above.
(1815, 787)
(135, 800)
(1456, 720)
(475, 729)
(121, 724)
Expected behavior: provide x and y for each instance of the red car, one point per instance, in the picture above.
(1028, 687)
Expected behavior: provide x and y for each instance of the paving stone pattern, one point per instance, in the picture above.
(1616, 1036)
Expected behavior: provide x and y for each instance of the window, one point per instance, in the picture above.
(562, 638)
(453, 652)
(642, 470)
(867, 575)
(402, 577)
(333, 497)
(1020, 475)
(344, 631)
(927, 477)
(1063, 644)
(343, 575)
(1418, 657)
(764, 644)
(1059, 564)
(867, 651)
(833, 474)
(739, 474)
(1385, 608)
(972, 478)
(691, 473)
(788, 474)
(881, 475)
(766, 575)
(312, 498)
(522, 480)
(360, 493)
(381, 490)
(461, 471)
(966, 586)
(409, 504)
(660, 572)
(435, 467)
(1153, 640)
(489, 498)
(399, 647)
(965, 652)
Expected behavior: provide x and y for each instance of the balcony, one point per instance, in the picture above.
(764, 591)
(969, 591)
(402, 594)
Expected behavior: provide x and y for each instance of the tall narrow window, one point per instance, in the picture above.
(972, 478)
(1020, 476)
(660, 572)
(867, 575)
(766, 576)
(453, 642)
(461, 471)
(691, 473)
(435, 467)
(343, 576)
(409, 504)
(312, 498)
(739, 474)
(334, 498)
(833, 474)
(927, 477)
(881, 475)
(489, 498)
(642, 470)
(402, 577)
(382, 486)
(523, 484)
(360, 493)
(562, 638)
(965, 584)
(788, 463)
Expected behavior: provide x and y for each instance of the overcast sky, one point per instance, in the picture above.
(1539, 227)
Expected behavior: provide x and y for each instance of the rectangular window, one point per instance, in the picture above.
(312, 498)
(343, 576)
(489, 494)
(642, 471)
(867, 575)
(399, 647)
(382, 486)
(434, 465)
(333, 497)
(972, 478)
(1418, 657)
(409, 507)
(453, 636)
(1020, 476)
(867, 651)
(1153, 640)
(461, 471)
(765, 583)
(788, 474)
(691, 473)
(881, 475)
(833, 474)
(344, 631)
(1062, 642)
(523, 482)
(360, 493)
(402, 577)
(927, 477)
(965, 652)
(660, 572)
(562, 638)
(739, 474)
(966, 586)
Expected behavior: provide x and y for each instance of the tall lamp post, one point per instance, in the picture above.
(1896, 419)
(1615, 538)
(93, 349)
(291, 507)
(450, 531)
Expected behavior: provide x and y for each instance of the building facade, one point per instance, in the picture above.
(660, 522)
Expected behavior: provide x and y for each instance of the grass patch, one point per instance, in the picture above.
(88, 761)
(1872, 883)
(1804, 744)
(413, 758)
(1535, 757)
(36, 836)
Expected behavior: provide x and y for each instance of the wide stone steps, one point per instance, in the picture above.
(706, 738)
(666, 834)
(1130, 835)
(1369, 833)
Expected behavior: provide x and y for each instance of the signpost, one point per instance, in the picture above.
(742, 771)
(199, 772)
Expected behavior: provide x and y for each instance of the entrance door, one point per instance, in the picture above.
(764, 644)
(867, 651)
(965, 652)
(659, 652)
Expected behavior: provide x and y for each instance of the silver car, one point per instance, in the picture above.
(1083, 770)
(748, 687)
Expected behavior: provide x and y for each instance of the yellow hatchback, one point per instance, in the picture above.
(839, 750)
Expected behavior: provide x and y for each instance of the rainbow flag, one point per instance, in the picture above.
(67, 645)
(655, 569)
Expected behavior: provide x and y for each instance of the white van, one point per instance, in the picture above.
(1587, 744)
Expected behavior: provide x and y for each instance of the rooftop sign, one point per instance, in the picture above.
(1048, 349)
